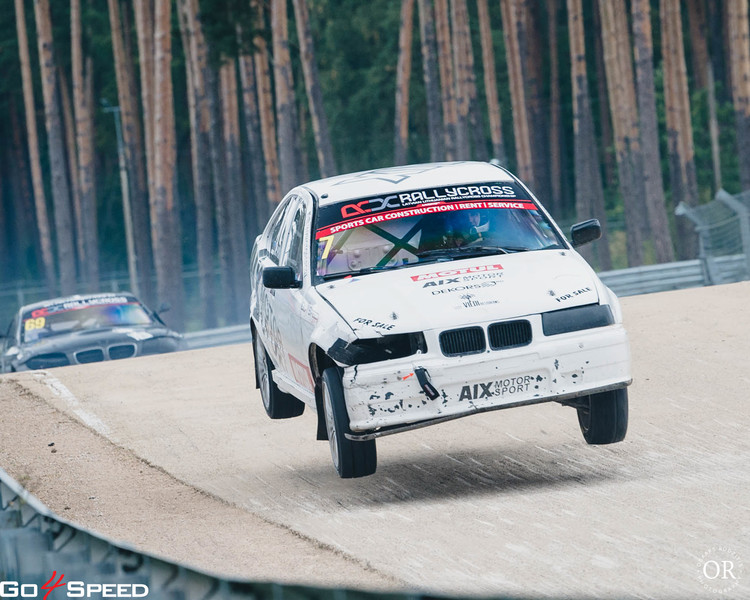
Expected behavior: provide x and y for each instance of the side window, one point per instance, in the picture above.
(296, 237)
(11, 333)
(275, 232)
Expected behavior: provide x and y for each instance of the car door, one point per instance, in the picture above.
(297, 316)
(267, 309)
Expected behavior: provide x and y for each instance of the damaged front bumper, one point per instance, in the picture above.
(387, 397)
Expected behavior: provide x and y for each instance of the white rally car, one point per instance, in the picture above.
(397, 298)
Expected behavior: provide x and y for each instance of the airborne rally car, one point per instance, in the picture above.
(83, 329)
(402, 297)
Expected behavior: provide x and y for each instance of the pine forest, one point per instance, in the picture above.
(150, 140)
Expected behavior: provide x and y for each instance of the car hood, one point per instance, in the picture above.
(97, 338)
(445, 295)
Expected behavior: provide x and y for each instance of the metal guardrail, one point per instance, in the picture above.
(35, 543)
(673, 276)
(221, 336)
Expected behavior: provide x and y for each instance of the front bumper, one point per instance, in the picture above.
(386, 395)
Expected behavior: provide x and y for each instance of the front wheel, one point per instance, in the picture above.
(603, 417)
(278, 404)
(351, 459)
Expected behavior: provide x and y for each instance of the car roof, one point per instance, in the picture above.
(77, 298)
(404, 178)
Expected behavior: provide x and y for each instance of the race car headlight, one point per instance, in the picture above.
(386, 347)
(576, 319)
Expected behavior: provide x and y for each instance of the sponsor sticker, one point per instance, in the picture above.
(370, 211)
(445, 273)
(505, 387)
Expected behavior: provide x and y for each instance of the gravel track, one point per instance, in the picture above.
(174, 454)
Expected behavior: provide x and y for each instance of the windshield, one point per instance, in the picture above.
(79, 315)
(358, 236)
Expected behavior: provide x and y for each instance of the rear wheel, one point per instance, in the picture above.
(603, 417)
(351, 459)
(278, 404)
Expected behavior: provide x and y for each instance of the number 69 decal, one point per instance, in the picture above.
(31, 324)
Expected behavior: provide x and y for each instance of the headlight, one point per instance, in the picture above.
(377, 349)
(160, 345)
(576, 319)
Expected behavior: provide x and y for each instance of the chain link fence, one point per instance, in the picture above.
(723, 228)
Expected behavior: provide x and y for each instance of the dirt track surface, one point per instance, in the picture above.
(175, 455)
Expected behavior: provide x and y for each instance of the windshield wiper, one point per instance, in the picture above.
(467, 251)
(363, 271)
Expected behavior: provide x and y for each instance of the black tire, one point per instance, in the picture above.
(351, 459)
(604, 417)
(278, 404)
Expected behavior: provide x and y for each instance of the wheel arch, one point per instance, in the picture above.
(319, 362)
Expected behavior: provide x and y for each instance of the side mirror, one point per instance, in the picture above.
(280, 278)
(164, 307)
(585, 232)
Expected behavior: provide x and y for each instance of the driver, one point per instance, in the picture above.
(472, 230)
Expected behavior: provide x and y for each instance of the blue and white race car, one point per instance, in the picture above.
(397, 298)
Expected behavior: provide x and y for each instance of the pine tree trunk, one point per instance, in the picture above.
(511, 20)
(265, 110)
(607, 156)
(532, 42)
(164, 211)
(144, 25)
(255, 143)
(717, 41)
(713, 129)
(430, 77)
(56, 146)
(25, 239)
(463, 72)
(476, 120)
(654, 187)
(286, 112)
(679, 126)
(326, 162)
(135, 190)
(619, 71)
(84, 135)
(195, 64)
(589, 192)
(230, 118)
(71, 155)
(740, 66)
(403, 77)
(447, 79)
(490, 82)
(697, 22)
(555, 131)
(40, 201)
(219, 173)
